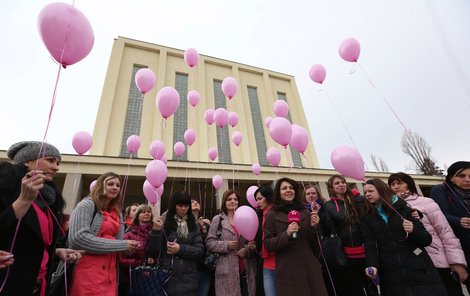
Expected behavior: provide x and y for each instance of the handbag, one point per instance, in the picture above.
(210, 260)
(57, 286)
(332, 248)
(149, 280)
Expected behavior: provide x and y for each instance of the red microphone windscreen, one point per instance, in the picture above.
(293, 216)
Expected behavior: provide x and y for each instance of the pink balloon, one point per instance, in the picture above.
(317, 73)
(82, 142)
(191, 57)
(349, 50)
(237, 138)
(256, 169)
(157, 149)
(150, 192)
(209, 116)
(145, 80)
(212, 153)
(156, 173)
(246, 221)
(233, 118)
(299, 138)
(193, 98)
(273, 156)
(229, 87)
(66, 32)
(348, 162)
(217, 181)
(92, 185)
(267, 121)
(168, 100)
(179, 148)
(250, 196)
(220, 117)
(280, 130)
(189, 136)
(133, 143)
(281, 108)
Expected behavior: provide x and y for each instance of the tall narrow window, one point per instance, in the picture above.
(223, 142)
(257, 125)
(133, 114)
(180, 120)
(295, 154)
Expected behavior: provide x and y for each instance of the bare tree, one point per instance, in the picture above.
(418, 149)
(379, 164)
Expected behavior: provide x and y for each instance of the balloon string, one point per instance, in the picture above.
(391, 207)
(54, 96)
(76, 177)
(383, 97)
(11, 252)
(339, 117)
(126, 180)
(326, 264)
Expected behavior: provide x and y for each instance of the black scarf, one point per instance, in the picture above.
(464, 197)
(287, 207)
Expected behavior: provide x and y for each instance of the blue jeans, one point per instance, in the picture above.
(204, 282)
(269, 282)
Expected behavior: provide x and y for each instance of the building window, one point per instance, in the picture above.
(133, 115)
(295, 154)
(180, 119)
(258, 127)
(223, 141)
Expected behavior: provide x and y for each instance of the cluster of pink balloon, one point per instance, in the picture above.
(284, 133)
(346, 160)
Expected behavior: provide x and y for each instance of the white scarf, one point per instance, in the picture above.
(182, 229)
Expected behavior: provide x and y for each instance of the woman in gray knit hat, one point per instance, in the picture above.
(30, 212)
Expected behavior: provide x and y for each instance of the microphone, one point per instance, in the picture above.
(293, 216)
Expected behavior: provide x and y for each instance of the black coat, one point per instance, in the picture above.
(403, 265)
(454, 210)
(184, 272)
(28, 248)
(333, 213)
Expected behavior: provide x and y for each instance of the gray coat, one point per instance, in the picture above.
(227, 278)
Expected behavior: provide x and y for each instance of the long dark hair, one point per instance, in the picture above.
(267, 192)
(385, 194)
(180, 198)
(352, 211)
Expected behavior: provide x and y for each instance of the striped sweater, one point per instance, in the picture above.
(84, 229)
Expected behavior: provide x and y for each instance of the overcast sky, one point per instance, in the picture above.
(416, 53)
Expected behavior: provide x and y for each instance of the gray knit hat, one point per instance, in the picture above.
(30, 150)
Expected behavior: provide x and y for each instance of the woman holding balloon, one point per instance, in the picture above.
(235, 270)
(341, 215)
(394, 242)
(291, 231)
(96, 226)
(30, 212)
(178, 244)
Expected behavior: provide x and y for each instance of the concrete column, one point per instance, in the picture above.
(324, 190)
(360, 187)
(419, 189)
(72, 191)
(220, 193)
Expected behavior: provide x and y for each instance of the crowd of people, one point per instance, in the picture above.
(392, 241)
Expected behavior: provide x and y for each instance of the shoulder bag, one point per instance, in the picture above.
(210, 261)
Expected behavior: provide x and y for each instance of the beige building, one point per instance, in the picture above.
(123, 112)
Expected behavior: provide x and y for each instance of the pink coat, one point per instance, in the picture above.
(227, 280)
(445, 248)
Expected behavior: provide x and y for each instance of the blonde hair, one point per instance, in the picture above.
(99, 192)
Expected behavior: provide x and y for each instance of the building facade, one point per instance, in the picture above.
(123, 112)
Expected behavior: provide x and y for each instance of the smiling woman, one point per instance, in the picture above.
(30, 209)
(96, 226)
